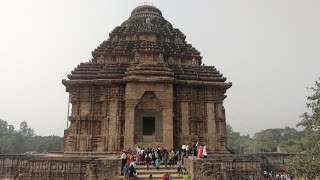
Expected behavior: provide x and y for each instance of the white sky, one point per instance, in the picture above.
(269, 49)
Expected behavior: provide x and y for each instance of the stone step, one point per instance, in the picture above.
(154, 176)
(143, 173)
(160, 171)
(152, 167)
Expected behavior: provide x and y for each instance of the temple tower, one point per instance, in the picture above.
(146, 86)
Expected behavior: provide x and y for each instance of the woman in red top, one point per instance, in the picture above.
(165, 176)
(129, 159)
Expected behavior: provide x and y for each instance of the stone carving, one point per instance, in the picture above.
(134, 38)
(160, 58)
(115, 39)
(57, 167)
(97, 128)
(100, 59)
(170, 61)
(137, 57)
(148, 21)
(194, 61)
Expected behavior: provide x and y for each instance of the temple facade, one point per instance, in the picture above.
(145, 85)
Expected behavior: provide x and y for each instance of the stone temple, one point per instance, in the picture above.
(145, 85)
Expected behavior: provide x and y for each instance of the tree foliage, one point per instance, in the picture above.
(309, 165)
(25, 130)
(25, 140)
(269, 140)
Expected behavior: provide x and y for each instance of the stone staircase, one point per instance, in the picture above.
(143, 173)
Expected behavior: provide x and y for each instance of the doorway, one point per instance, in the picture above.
(149, 127)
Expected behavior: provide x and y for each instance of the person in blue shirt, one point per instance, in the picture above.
(125, 170)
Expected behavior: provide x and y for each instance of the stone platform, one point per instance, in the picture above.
(62, 167)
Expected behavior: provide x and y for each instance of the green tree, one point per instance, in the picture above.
(3, 127)
(25, 130)
(239, 143)
(12, 142)
(309, 165)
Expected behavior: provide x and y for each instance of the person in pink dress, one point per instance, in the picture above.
(138, 157)
(199, 155)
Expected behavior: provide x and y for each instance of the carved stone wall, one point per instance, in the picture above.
(199, 115)
(96, 120)
(220, 167)
(148, 98)
(59, 168)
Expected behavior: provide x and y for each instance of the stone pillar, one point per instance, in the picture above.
(129, 126)
(184, 122)
(113, 126)
(167, 128)
(212, 133)
(221, 125)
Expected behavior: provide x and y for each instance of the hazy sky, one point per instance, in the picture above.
(269, 50)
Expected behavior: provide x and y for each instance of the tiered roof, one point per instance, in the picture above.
(146, 32)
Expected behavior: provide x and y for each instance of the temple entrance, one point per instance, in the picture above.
(149, 127)
(148, 121)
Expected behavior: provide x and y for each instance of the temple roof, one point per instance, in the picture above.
(146, 20)
(145, 46)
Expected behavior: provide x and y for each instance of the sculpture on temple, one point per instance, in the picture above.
(160, 58)
(137, 57)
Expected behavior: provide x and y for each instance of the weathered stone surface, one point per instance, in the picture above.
(36, 167)
(110, 93)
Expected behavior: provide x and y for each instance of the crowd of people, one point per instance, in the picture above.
(279, 175)
(157, 156)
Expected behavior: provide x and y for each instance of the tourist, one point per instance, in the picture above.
(154, 158)
(138, 148)
(171, 156)
(138, 157)
(132, 171)
(187, 150)
(132, 163)
(158, 162)
(179, 166)
(195, 149)
(158, 153)
(165, 157)
(150, 177)
(20, 175)
(183, 147)
(183, 154)
(165, 176)
(125, 170)
(204, 151)
(170, 176)
(123, 160)
(199, 154)
(143, 154)
(148, 162)
(150, 156)
(185, 175)
(129, 158)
